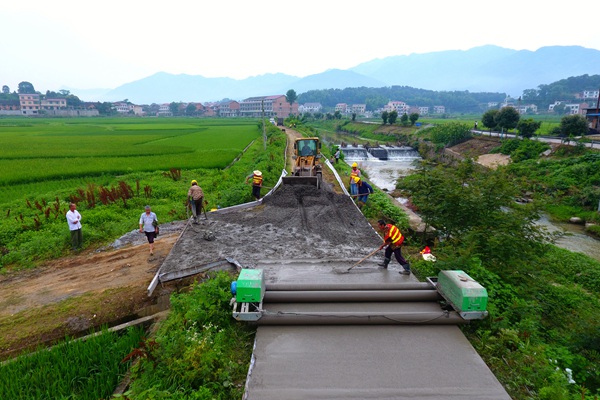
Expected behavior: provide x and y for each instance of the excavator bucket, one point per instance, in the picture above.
(301, 180)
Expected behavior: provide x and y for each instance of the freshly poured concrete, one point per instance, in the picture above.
(368, 362)
(364, 361)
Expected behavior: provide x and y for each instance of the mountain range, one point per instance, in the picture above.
(480, 69)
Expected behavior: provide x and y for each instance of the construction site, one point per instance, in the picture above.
(330, 323)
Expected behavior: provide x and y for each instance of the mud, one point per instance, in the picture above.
(295, 222)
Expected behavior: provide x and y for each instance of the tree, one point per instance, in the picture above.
(26, 88)
(174, 108)
(392, 117)
(528, 127)
(337, 114)
(413, 117)
(404, 119)
(384, 116)
(507, 118)
(291, 97)
(190, 109)
(488, 119)
(353, 117)
(465, 201)
(73, 101)
(560, 109)
(5, 89)
(573, 125)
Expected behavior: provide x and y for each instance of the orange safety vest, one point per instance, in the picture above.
(394, 235)
(257, 180)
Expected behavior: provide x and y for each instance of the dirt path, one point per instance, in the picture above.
(71, 295)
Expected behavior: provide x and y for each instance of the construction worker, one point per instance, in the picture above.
(355, 173)
(393, 239)
(257, 181)
(364, 190)
(195, 199)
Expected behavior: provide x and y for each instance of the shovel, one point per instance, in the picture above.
(367, 256)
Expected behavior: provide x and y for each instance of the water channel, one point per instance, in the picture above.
(401, 161)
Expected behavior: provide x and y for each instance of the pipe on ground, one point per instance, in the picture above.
(348, 286)
(320, 296)
(361, 318)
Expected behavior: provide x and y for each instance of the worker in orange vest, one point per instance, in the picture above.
(257, 180)
(393, 239)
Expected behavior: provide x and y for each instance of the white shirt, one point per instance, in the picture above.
(72, 217)
(147, 220)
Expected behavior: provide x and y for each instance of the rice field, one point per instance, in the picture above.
(57, 150)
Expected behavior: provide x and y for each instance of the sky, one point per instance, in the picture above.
(74, 44)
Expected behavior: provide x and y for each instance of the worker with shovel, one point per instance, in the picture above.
(393, 239)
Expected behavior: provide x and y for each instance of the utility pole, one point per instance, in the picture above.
(262, 104)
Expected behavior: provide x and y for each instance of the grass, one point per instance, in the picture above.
(47, 150)
(83, 370)
(35, 322)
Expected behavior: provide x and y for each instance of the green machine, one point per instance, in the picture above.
(249, 290)
(463, 293)
(250, 286)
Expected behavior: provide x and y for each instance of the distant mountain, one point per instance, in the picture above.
(480, 69)
(484, 69)
(334, 79)
(166, 88)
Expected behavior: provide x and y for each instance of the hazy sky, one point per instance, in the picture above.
(104, 44)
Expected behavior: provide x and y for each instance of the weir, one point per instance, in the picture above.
(359, 153)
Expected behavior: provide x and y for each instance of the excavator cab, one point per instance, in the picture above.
(307, 169)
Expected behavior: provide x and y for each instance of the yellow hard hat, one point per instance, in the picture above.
(194, 181)
(356, 179)
(354, 165)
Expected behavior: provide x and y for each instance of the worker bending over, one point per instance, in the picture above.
(196, 199)
(393, 239)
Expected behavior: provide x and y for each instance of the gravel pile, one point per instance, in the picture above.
(296, 222)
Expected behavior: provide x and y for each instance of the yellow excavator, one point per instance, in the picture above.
(307, 169)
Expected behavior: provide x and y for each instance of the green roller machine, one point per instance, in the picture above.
(463, 293)
(249, 290)
(451, 298)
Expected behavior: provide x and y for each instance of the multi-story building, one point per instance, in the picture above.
(269, 106)
(591, 94)
(423, 110)
(53, 104)
(399, 106)
(359, 109)
(30, 103)
(165, 110)
(123, 107)
(229, 109)
(310, 108)
(439, 109)
(341, 107)
(527, 108)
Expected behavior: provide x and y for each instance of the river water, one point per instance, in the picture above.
(402, 161)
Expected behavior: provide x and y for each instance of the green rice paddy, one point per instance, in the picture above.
(53, 151)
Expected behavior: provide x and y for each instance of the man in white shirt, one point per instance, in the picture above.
(74, 220)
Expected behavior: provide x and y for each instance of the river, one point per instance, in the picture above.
(385, 173)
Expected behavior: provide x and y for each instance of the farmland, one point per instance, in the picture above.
(110, 168)
(45, 150)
